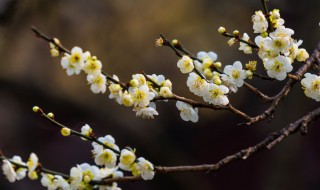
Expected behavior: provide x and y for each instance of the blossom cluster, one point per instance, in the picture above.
(207, 81)
(142, 90)
(138, 93)
(277, 48)
(110, 163)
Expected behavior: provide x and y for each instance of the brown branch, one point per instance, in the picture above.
(269, 142)
(194, 103)
(257, 92)
(314, 58)
(251, 44)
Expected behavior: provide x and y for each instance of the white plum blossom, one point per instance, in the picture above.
(53, 182)
(73, 63)
(115, 90)
(165, 92)
(105, 157)
(159, 79)
(126, 98)
(260, 23)
(275, 18)
(140, 78)
(141, 95)
(302, 55)
(245, 47)
(235, 73)
(185, 64)
(202, 55)
(32, 166)
(311, 86)
(127, 158)
(187, 112)
(145, 168)
(86, 130)
(278, 67)
(146, 112)
(107, 140)
(110, 172)
(216, 95)
(197, 85)
(98, 83)
(92, 66)
(8, 171)
(21, 172)
(81, 176)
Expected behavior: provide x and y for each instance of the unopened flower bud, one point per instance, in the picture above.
(302, 55)
(231, 42)
(264, 34)
(54, 52)
(57, 41)
(134, 82)
(165, 92)
(50, 115)
(236, 32)
(248, 74)
(208, 73)
(216, 80)
(175, 42)
(217, 64)
(221, 30)
(252, 65)
(35, 109)
(65, 131)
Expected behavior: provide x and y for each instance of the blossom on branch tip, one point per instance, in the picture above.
(185, 64)
(311, 86)
(275, 18)
(260, 23)
(187, 112)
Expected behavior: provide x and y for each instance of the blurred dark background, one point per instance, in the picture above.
(122, 33)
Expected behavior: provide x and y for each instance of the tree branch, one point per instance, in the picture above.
(313, 59)
(269, 142)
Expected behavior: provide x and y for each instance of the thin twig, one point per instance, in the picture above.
(288, 86)
(251, 44)
(76, 133)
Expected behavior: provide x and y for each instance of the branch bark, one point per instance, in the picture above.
(269, 142)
